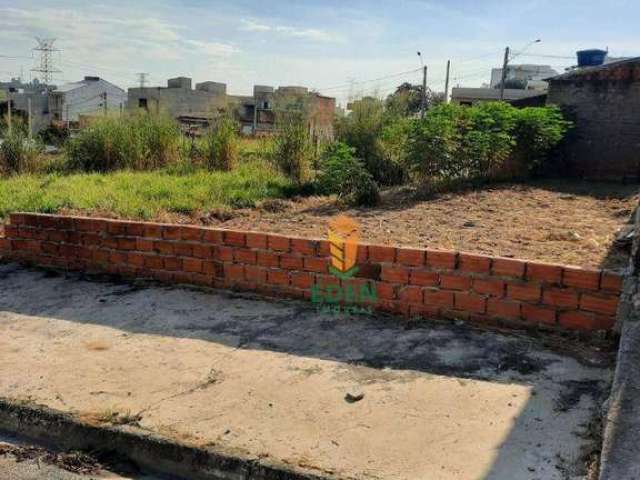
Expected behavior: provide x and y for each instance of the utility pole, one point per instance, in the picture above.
(446, 83)
(29, 115)
(423, 102)
(505, 64)
(9, 114)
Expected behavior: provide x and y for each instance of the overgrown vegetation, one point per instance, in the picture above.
(222, 145)
(143, 195)
(293, 151)
(490, 141)
(18, 153)
(343, 174)
(133, 141)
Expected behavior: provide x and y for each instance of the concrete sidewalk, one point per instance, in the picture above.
(267, 380)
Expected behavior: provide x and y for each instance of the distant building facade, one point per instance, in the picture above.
(197, 108)
(475, 96)
(604, 103)
(531, 77)
(88, 97)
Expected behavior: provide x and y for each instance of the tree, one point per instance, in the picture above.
(407, 100)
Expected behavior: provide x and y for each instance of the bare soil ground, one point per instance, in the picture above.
(567, 222)
(560, 222)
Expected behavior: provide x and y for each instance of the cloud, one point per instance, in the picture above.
(292, 32)
(214, 49)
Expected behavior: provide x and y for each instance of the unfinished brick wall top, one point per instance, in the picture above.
(408, 281)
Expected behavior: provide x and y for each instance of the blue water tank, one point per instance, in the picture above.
(591, 58)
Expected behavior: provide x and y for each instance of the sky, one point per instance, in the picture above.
(340, 48)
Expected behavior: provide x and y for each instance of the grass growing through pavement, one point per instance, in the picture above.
(143, 195)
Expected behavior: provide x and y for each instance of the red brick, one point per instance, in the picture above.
(410, 294)
(11, 231)
(90, 225)
(425, 311)
(527, 293)
(153, 262)
(50, 248)
(380, 253)
(212, 268)
(17, 218)
(110, 242)
(224, 254)
(127, 243)
(442, 260)
(256, 240)
(503, 308)
(212, 236)
(468, 262)
(323, 248)
(171, 232)
(144, 245)
(278, 243)
(233, 272)
(116, 228)
(319, 265)
(489, 286)
(385, 291)
(200, 250)
(560, 297)
(611, 281)
(183, 249)
(423, 278)
(396, 274)
(441, 298)
(136, 259)
(153, 230)
(134, 229)
(455, 282)
(101, 256)
(291, 262)
(410, 257)
(302, 279)
(243, 255)
(236, 239)
(544, 272)
(192, 265)
(605, 304)
(172, 263)
(255, 274)
(535, 314)
(117, 257)
(278, 277)
(576, 277)
(166, 248)
(507, 267)
(58, 236)
(267, 259)
(303, 247)
(190, 233)
(577, 320)
(468, 302)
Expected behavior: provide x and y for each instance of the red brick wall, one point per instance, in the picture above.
(407, 281)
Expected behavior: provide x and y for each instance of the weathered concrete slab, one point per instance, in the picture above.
(267, 380)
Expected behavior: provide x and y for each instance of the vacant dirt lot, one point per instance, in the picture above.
(560, 222)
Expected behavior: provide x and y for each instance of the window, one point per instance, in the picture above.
(142, 103)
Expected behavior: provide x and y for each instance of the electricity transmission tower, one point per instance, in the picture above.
(46, 49)
(142, 79)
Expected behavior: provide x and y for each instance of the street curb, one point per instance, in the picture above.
(148, 450)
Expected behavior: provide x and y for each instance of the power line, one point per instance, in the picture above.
(399, 74)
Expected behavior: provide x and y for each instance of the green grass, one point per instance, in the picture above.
(143, 195)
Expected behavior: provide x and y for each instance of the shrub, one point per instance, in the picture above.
(363, 130)
(293, 151)
(18, 153)
(222, 145)
(490, 141)
(343, 174)
(138, 141)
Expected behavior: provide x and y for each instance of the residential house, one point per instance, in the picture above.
(88, 97)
